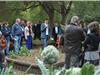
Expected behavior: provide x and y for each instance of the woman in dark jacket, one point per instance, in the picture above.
(91, 44)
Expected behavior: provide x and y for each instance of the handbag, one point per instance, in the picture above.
(3, 43)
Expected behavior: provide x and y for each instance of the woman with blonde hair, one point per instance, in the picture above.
(28, 35)
(91, 43)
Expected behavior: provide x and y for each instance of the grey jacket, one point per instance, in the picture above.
(43, 31)
(73, 37)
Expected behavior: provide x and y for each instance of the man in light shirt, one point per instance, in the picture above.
(44, 33)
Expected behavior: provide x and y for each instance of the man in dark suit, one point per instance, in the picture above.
(37, 31)
(56, 32)
(38, 27)
(73, 37)
(44, 33)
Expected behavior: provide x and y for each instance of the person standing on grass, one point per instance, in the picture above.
(44, 33)
(91, 44)
(2, 48)
(23, 24)
(6, 32)
(73, 37)
(17, 34)
(34, 29)
(28, 35)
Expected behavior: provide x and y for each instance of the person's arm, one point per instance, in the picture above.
(32, 33)
(3, 30)
(9, 30)
(13, 31)
(82, 35)
(86, 41)
(25, 32)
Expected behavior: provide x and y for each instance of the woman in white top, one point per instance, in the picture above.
(28, 35)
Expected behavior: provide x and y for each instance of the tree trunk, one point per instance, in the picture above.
(51, 22)
(64, 11)
(49, 9)
(63, 19)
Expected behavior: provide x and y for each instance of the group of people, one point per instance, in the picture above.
(19, 30)
(81, 44)
(23, 30)
(46, 34)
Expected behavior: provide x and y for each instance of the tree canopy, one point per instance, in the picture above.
(56, 11)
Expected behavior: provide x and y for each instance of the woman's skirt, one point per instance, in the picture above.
(92, 57)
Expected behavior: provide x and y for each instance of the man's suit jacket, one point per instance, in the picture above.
(43, 31)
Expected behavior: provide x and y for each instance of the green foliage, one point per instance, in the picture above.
(8, 71)
(36, 42)
(12, 54)
(24, 51)
(10, 10)
(50, 54)
(35, 15)
(87, 10)
(87, 69)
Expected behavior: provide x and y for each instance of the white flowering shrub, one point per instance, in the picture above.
(50, 54)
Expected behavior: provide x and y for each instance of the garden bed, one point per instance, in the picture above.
(22, 63)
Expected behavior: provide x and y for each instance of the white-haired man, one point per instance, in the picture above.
(16, 34)
(73, 37)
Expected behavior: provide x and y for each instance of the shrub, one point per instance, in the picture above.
(50, 54)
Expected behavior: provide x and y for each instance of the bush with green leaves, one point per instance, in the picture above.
(22, 52)
(50, 54)
(12, 54)
(87, 69)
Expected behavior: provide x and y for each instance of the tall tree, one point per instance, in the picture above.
(49, 9)
(63, 8)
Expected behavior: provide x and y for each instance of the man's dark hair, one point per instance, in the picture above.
(46, 19)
